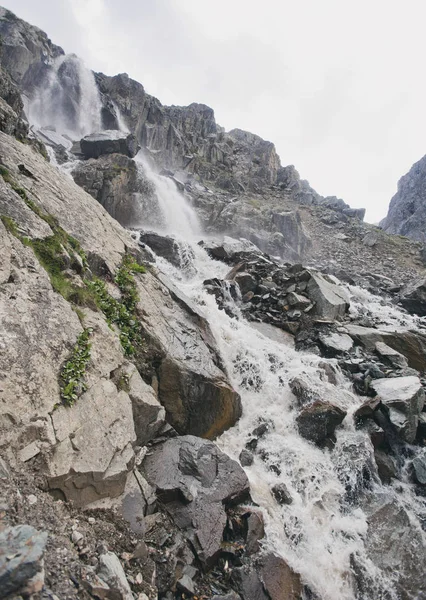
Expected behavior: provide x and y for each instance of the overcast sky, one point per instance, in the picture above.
(337, 85)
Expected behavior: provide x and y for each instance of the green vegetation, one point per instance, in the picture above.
(10, 225)
(123, 384)
(72, 373)
(122, 313)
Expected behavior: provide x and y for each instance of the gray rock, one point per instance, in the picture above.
(279, 579)
(246, 458)
(413, 297)
(391, 356)
(281, 494)
(330, 300)
(109, 142)
(186, 585)
(419, 467)
(230, 596)
(317, 421)
(255, 532)
(4, 470)
(303, 390)
(336, 343)
(248, 583)
(386, 466)
(21, 560)
(406, 396)
(112, 573)
(246, 282)
(371, 239)
(191, 474)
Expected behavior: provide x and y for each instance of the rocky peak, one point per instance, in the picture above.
(26, 50)
(407, 209)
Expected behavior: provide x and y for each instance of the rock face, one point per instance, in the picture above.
(109, 142)
(413, 297)
(189, 475)
(407, 209)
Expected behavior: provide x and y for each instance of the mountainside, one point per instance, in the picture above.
(185, 414)
(407, 209)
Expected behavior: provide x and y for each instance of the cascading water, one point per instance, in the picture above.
(322, 533)
(68, 101)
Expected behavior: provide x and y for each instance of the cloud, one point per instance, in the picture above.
(337, 86)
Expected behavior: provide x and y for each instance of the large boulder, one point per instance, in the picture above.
(405, 397)
(196, 482)
(280, 581)
(331, 302)
(165, 246)
(317, 421)
(413, 297)
(192, 386)
(109, 142)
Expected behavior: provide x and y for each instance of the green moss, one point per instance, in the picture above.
(123, 384)
(71, 378)
(10, 225)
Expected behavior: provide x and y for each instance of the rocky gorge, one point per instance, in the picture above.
(211, 378)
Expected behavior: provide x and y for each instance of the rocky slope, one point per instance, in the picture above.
(407, 209)
(114, 382)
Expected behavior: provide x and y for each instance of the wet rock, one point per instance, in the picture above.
(330, 300)
(163, 245)
(246, 282)
(336, 343)
(112, 573)
(419, 468)
(386, 466)
(281, 494)
(303, 391)
(406, 396)
(279, 579)
(109, 142)
(246, 458)
(255, 532)
(318, 421)
(191, 474)
(231, 596)
(396, 546)
(249, 584)
(391, 356)
(21, 560)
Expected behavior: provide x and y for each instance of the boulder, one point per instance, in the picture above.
(279, 580)
(246, 282)
(405, 395)
(390, 356)
(396, 546)
(193, 478)
(281, 494)
(248, 583)
(255, 532)
(413, 297)
(336, 343)
(419, 468)
(165, 246)
(193, 388)
(317, 421)
(112, 573)
(330, 300)
(21, 560)
(109, 142)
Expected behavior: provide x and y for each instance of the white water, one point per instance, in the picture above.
(68, 100)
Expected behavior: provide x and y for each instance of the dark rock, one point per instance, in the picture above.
(318, 421)
(390, 356)
(249, 584)
(230, 596)
(303, 391)
(109, 142)
(164, 246)
(413, 297)
(279, 580)
(21, 560)
(419, 468)
(246, 458)
(246, 282)
(281, 494)
(255, 532)
(386, 466)
(189, 474)
(336, 343)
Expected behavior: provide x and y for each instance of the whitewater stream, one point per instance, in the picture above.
(322, 533)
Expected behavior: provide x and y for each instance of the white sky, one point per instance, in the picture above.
(337, 85)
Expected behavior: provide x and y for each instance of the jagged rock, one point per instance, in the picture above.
(413, 297)
(391, 356)
(164, 246)
(248, 583)
(290, 225)
(191, 474)
(109, 142)
(336, 343)
(230, 596)
(303, 391)
(406, 396)
(94, 451)
(246, 282)
(386, 466)
(419, 468)
(229, 248)
(395, 546)
(279, 579)
(255, 532)
(330, 300)
(192, 387)
(112, 573)
(410, 344)
(246, 458)
(21, 560)
(281, 494)
(317, 421)
(116, 182)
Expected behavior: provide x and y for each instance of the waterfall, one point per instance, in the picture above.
(68, 100)
(169, 211)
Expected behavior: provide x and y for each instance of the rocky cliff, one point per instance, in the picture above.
(407, 209)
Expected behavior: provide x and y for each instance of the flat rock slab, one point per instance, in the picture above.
(336, 343)
(196, 481)
(109, 142)
(330, 300)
